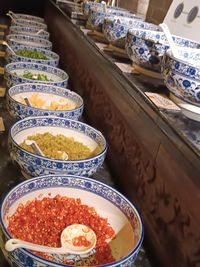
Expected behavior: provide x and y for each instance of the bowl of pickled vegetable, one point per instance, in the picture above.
(28, 40)
(67, 146)
(25, 30)
(27, 72)
(37, 210)
(45, 100)
(31, 54)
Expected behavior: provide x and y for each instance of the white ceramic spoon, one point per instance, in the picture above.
(170, 40)
(39, 32)
(68, 235)
(35, 146)
(6, 44)
(12, 18)
(104, 6)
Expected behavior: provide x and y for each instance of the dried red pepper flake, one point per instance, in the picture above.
(42, 221)
(81, 241)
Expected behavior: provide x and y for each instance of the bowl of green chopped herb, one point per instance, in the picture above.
(31, 54)
(28, 72)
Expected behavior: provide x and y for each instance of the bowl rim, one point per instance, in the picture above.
(48, 85)
(55, 160)
(26, 36)
(182, 61)
(28, 21)
(13, 27)
(139, 217)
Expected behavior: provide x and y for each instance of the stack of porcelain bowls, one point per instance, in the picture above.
(38, 96)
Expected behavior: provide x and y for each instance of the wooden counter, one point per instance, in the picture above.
(149, 154)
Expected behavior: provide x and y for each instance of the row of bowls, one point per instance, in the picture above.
(60, 176)
(146, 45)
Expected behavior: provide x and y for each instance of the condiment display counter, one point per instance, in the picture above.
(153, 152)
(10, 172)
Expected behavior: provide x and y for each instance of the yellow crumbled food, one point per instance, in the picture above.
(59, 146)
(36, 102)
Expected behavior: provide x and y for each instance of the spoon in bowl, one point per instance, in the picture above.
(170, 39)
(39, 32)
(6, 44)
(12, 18)
(75, 239)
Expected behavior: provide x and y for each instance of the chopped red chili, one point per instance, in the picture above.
(81, 241)
(42, 222)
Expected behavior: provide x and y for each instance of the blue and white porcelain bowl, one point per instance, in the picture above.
(28, 40)
(147, 47)
(182, 75)
(24, 30)
(48, 94)
(15, 71)
(108, 203)
(96, 18)
(27, 17)
(29, 23)
(115, 29)
(51, 57)
(96, 6)
(35, 165)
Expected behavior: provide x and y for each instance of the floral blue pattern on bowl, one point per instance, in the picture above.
(14, 71)
(19, 110)
(29, 23)
(52, 58)
(182, 75)
(28, 40)
(27, 17)
(96, 6)
(115, 29)
(24, 30)
(146, 47)
(96, 18)
(91, 193)
(34, 165)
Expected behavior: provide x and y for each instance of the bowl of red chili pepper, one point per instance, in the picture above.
(67, 146)
(37, 211)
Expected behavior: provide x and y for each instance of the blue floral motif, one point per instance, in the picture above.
(26, 258)
(35, 165)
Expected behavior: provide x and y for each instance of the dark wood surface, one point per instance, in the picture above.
(153, 161)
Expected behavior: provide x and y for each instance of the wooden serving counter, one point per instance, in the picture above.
(153, 152)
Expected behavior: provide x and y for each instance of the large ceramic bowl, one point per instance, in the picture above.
(27, 17)
(15, 71)
(29, 23)
(182, 75)
(108, 203)
(46, 56)
(35, 165)
(147, 47)
(24, 30)
(96, 18)
(115, 29)
(47, 93)
(28, 40)
(96, 6)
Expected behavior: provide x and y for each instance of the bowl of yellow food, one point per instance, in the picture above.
(67, 146)
(44, 100)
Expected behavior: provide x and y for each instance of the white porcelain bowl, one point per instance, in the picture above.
(25, 30)
(27, 17)
(29, 23)
(28, 40)
(35, 165)
(15, 71)
(108, 203)
(51, 57)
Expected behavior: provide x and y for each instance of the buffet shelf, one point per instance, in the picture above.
(10, 172)
(157, 148)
